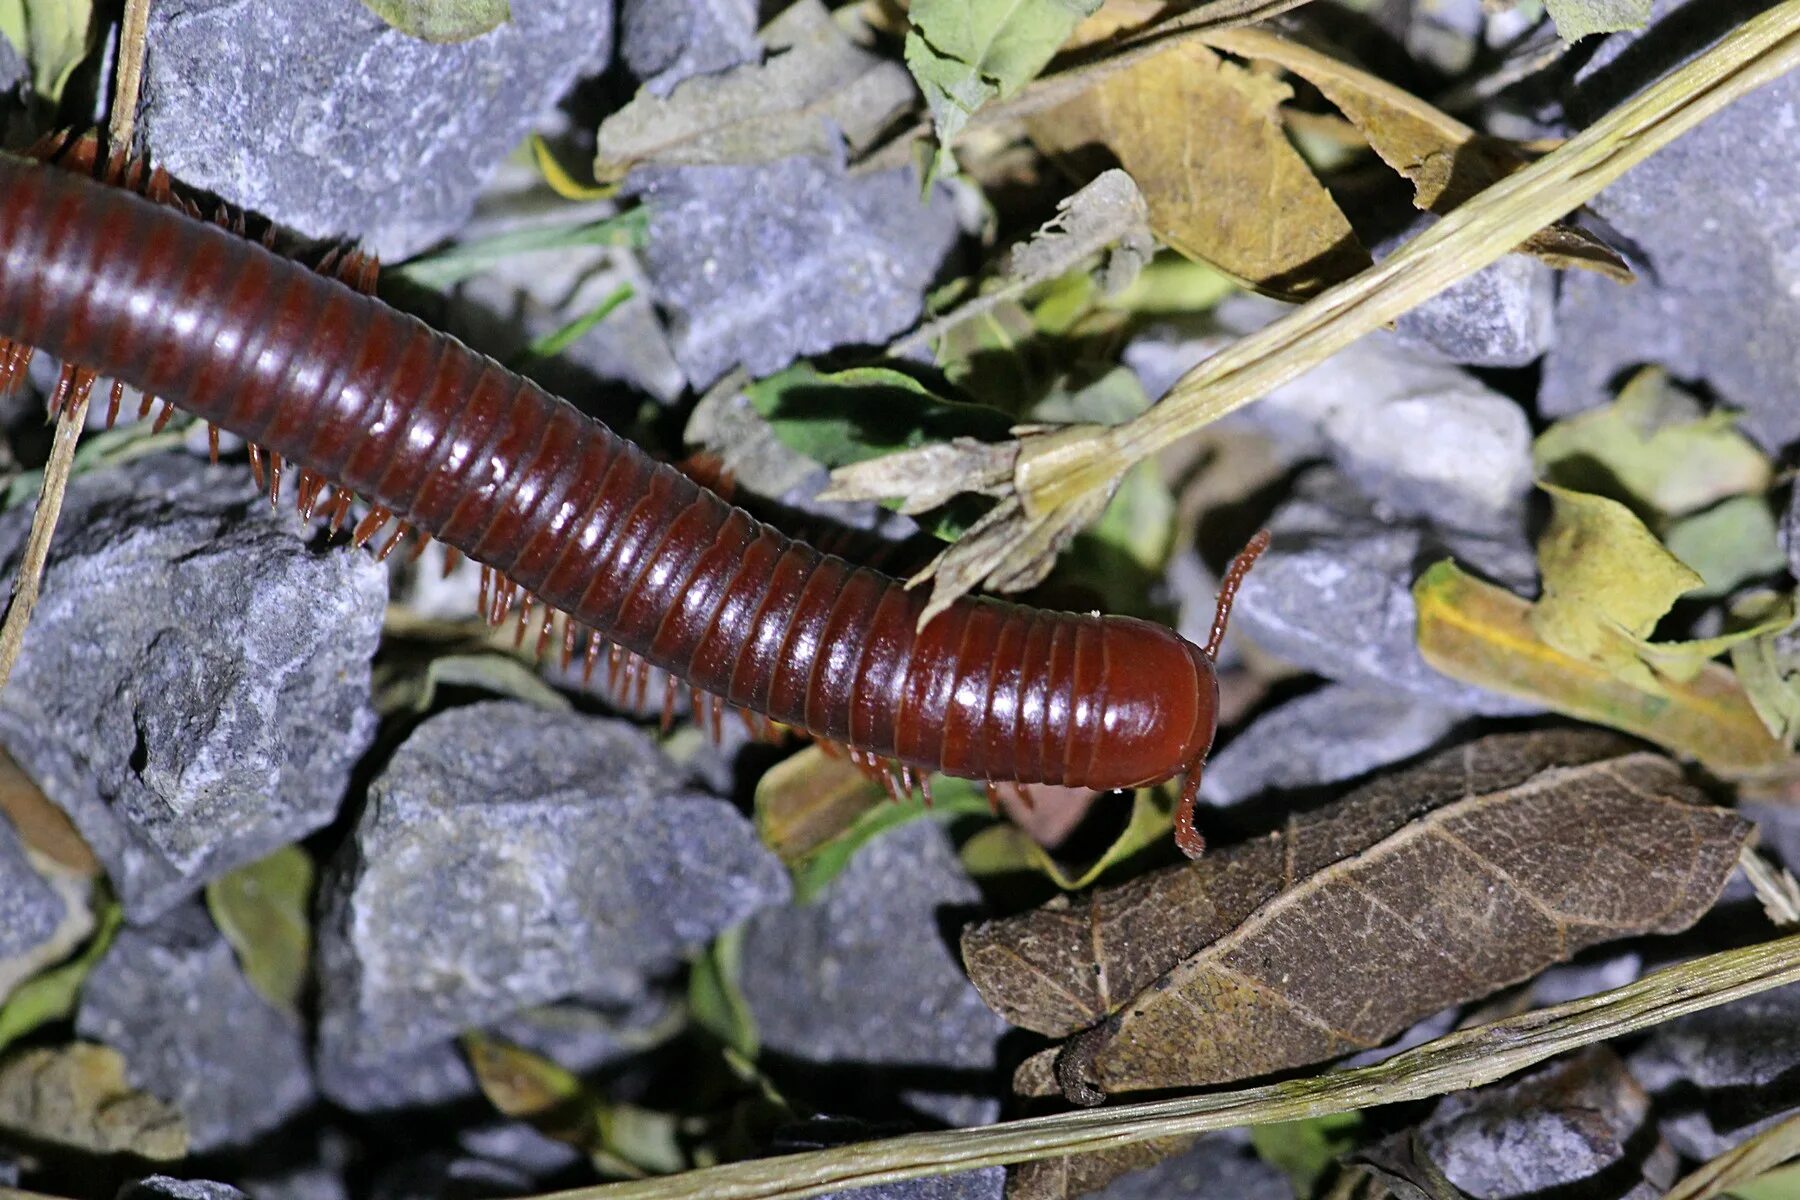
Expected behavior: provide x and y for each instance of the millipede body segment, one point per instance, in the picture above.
(372, 403)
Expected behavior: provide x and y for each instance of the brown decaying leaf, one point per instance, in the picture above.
(1204, 140)
(76, 1096)
(41, 825)
(1425, 888)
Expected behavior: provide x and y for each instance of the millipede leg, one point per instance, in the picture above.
(1234, 576)
(1187, 835)
(117, 396)
(993, 797)
(162, 418)
(212, 432)
(256, 460)
(340, 509)
(668, 705)
(274, 478)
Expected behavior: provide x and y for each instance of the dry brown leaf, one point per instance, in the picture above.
(1446, 161)
(41, 825)
(76, 1096)
(1204, 139)
(1423, 889)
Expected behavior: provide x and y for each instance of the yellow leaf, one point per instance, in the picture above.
(1482, 634)
(1607, 581)
(1204, 140)
(561, 181)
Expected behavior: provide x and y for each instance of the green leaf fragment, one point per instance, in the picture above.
(451, 266)
(1729, 544)
(966, 52)
(51, 996)
(1005, 849)
(442, 20)
(1655, 450)
(1768, 665)
(1575, 19)
(1305, 1150)
(262, 909)
(558, 340)
(716, 1002)
(51, 36)
(863, 413)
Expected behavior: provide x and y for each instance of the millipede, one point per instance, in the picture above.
(118, 273)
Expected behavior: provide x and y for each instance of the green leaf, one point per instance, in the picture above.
(1730, 543)
(451, 266)
(1005, 849)
(817, 841)
(863, 413)
(442, 20)
(50, 35)
(1305, 1150)
(262, 909)
(715, 1000)
(967, 52)
(1575, 19)
(558, 340)
(1768, 665)
(1655, 450)
(51, 996)
(401, 688)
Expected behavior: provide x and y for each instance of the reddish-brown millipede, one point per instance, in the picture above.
(103, 267)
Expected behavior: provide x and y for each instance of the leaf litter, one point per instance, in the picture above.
(958, 342)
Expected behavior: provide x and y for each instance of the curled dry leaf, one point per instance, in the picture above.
(1445, 160)
(1426, 888)
(1108, 211)
(816, 88)
(1482, 634)
(1204, 139)
(76, 1096)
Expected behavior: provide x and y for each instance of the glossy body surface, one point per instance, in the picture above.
(338, 384)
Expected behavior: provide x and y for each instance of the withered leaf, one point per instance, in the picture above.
(816, 88)
(77, 1096)
(1445, 160)
(1482, 634)
(1425, 888)
(1204, 139)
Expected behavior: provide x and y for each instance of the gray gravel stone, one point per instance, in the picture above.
(1501, 316)
(758, 265)
(988, 1183)
(326, 120)
(1333, 594)
(1571, 1122)
(863, 975)
(508, 857)
(667, 41)
(171, 999)
(1419, 436)
(581, 1038)
(1326, 736)
(1724, 1074)
(167, 1187)
(194, 686)
(1715, 220)
(33, 909)
(1219, 1167)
